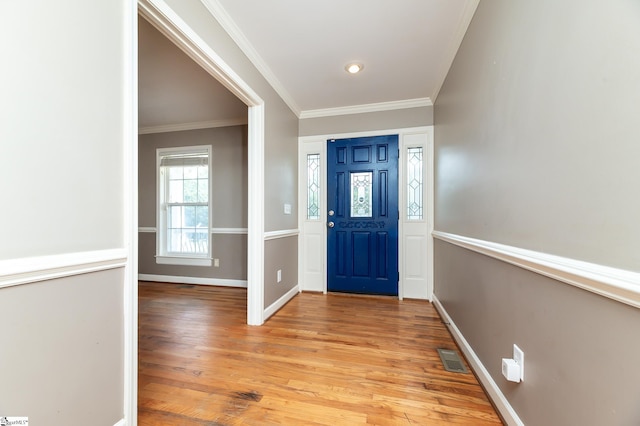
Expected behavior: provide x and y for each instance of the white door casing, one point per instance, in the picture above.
(415, 244)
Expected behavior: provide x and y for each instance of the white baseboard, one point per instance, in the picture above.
(122, 422)
(193, 280)
(501, 403)
(281, 302)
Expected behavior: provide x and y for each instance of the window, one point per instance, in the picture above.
(313, 186)
(361, 194)
(184, 214)
(414, 183)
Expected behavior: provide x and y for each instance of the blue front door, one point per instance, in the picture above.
(362, 219)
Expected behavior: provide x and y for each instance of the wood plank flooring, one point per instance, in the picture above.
(321, 360)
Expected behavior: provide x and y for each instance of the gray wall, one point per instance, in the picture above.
(536, 130)
(364, 122)
(536, 147)
(62, 113)
(281, 138)
(273, 261)
(229, 201)
(62, 346)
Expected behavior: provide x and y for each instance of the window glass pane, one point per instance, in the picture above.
(313, 186)
(202, 216)
(190, 191)
(191, 172)
(414, 183)
(175, 190)
(203, 190)
(199, 241)
(203, 172)
(174, 240)
(175, 172)
(361, 201)
(174, 219)
(189, 216)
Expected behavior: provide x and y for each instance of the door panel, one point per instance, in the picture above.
(362, 198)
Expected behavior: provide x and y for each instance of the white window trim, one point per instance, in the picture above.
(187, 260)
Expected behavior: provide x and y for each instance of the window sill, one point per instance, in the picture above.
(185, 261)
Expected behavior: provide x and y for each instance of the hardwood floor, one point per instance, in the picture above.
(320, 360)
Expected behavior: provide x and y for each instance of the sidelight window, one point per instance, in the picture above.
(414, 183)
(313, 186)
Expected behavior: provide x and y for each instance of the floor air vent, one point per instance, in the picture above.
(451, 361)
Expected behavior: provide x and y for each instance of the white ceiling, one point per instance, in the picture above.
(406, 46)
(302, 47)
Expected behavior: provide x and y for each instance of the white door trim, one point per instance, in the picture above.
(130, 191)
(312, 247)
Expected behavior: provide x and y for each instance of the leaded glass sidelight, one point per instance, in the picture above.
(313, 186)
(361, 201)
(414, 183)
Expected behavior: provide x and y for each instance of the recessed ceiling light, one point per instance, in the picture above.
(354, 68)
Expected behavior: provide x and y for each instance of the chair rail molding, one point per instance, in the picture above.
(42, 268)
(617, 284)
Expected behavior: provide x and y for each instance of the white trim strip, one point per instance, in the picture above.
(285, 233)
(275, 306)
(497, 397)
(616, 284)
(399, 131)
(33, 269)
(192, 126)
(229, 230)
(153, 229)
(255, 219)
(222, 282)
(183, 260)
(122, 422)
(359, 109)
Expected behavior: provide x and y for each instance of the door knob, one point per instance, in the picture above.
(331, 224)
(331, 213)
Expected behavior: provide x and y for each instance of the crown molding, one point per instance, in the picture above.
(454, 46)
(359, 109)
(229, 25)
(192, 126)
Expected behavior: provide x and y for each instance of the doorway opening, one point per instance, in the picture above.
(168, 23)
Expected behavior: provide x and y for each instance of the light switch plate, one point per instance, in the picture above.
(287, 209)
(518, 357)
